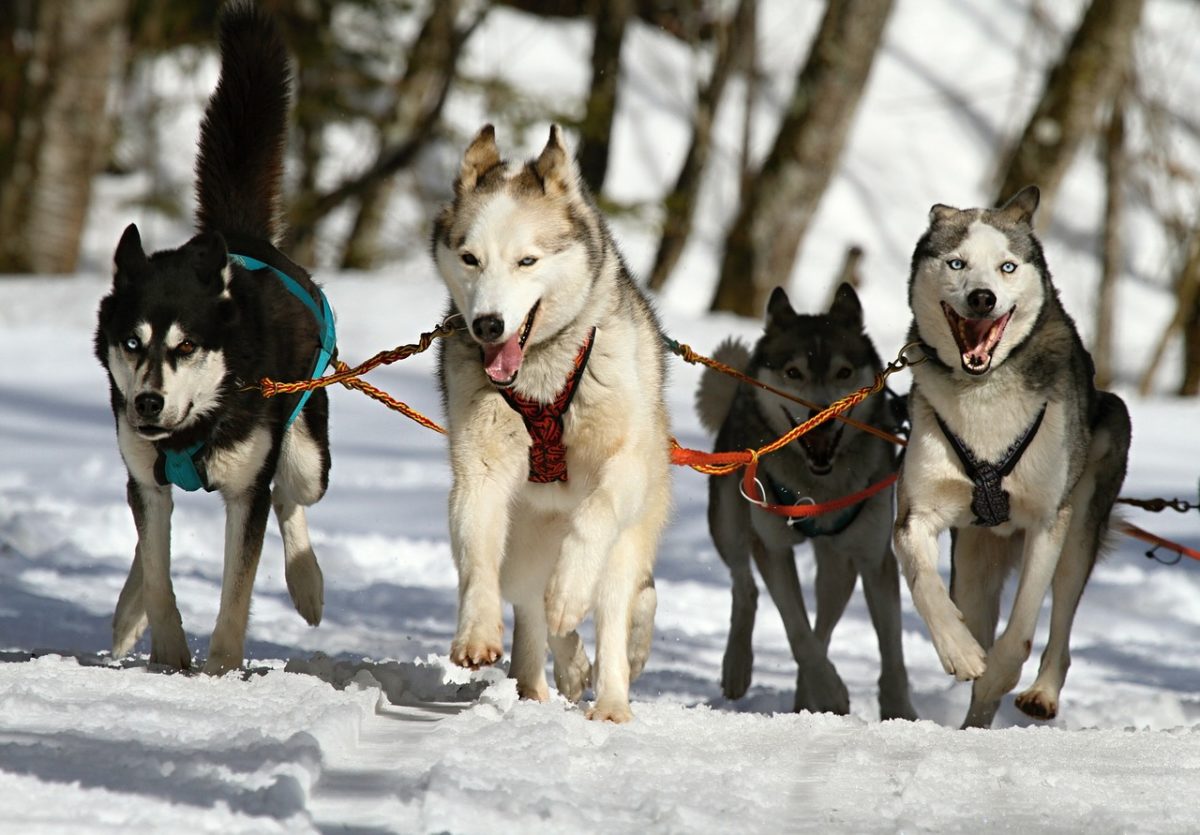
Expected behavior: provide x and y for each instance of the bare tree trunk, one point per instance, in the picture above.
(1187, 315)
(433, 80)
(761, 246)
(1114, 167)
(1086, 77)
(419, 92)
(59, 130)
(735, 41)
(609, 17)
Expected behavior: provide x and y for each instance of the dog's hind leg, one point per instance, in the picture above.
(245, 524)
(881, 587)
(300, 480)
(836, 578)
(980, 563)
(572, 669)
(528, 665)
(129, 620)
(729, 525)
(152, 507)
(819, 688)
(641, 626)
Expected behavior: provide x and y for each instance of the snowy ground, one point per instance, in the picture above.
(362, 725)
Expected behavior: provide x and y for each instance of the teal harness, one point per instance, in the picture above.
(185, 467)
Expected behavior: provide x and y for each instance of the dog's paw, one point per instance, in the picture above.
(566, 607)
(819, 689)
(478, 646)
(736, 673)
(896, 703)
(538, 692)
(220, 663)
(572, 669)
(1002, 671)
(615, 711)
(306, 585)
(170, 649)
(1038, 704)
(960, 654)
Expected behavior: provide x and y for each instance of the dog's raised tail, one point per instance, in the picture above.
(714, 397)
(239, 169)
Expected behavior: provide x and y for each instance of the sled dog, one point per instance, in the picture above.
(1013, 449)
(559, 445)
(818, 358)
(182, 335)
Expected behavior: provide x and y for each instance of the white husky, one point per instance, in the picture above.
(558, 430)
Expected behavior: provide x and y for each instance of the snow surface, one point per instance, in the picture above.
(363, 725)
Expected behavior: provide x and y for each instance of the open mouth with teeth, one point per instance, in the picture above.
(502, 360)
(976, 338)
(820, 443)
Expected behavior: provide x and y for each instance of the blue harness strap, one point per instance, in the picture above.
(182, 467)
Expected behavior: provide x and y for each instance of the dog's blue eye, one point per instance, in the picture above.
(956, 263)
(527, 261)
(1008, 267)
(132, 343)
(470, 260)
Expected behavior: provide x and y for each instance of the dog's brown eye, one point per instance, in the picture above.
(185, 348)
(844, 373)
(469, 259)
(793, 373)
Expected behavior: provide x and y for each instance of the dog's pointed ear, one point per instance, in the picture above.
(210, 259)
(555, 166)
(129, 261)
(939, 212)
(778, 306)
(846, 307)
(481, 156)
(1021, 206)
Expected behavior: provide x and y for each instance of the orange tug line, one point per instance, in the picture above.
(710, 463)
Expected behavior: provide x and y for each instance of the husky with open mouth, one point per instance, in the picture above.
(559, 444)
(183, 336)
(1013, 449)
(818, 358)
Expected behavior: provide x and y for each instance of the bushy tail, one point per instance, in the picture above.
(240, 166)
(714, 397)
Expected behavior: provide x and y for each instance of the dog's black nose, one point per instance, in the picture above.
(488, 328)
(148, 404)
(981, 302)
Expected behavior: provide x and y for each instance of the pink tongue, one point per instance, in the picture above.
(501, 362)
(977, 330)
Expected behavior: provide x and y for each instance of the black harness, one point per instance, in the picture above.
(990, 500)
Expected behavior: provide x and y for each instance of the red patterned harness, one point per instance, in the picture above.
(544, 422)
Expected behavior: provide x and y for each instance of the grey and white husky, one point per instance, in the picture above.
(559, 444)
(1013, 449)
(182, 333)
(818, 358)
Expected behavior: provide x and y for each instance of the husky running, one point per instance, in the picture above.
(819, 358)
(1012, 448)
(559, 443)
(183, 333)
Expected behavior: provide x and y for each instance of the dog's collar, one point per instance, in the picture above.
(990, 500)
(185, 467)
(544, 421)
(808, 525)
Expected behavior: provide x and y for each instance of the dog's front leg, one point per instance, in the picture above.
(152, 506)
(570, 594)
(478, 530)
(915, 542)
(245, 525)
(1043, 545)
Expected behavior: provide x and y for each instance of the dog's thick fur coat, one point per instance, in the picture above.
(1005, 364)
(182, 334)
(819, 358)
(532, 269)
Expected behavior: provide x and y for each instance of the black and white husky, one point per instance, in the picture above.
(1013, 449)
(183, 335)
(820, 358)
